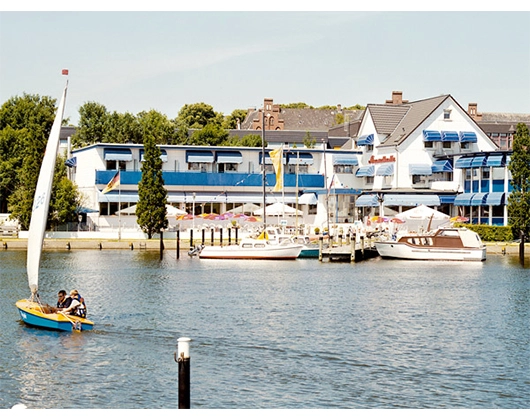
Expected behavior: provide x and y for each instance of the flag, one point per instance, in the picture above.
(113, 183)
(277, 161)
(65, 72)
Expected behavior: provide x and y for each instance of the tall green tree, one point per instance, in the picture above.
(65, 199)
(151, 208)
(519, 166)
(25, 122)
(93, 125)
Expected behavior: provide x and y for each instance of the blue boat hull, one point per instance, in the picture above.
(31, 315)
(309, 253)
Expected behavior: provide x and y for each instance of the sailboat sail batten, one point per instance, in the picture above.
(41, 201)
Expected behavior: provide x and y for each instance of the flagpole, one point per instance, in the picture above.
(283, 185)
(119, 206)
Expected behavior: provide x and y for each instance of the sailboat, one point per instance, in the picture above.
(33, 311)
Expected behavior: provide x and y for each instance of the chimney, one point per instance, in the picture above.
(397, 98)
(472, 110)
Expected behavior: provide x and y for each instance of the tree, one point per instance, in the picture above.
(24, 125)
(309, 141)
(236, 117)
(93, 124)
(122, 128)
(65, 198)
(198, 116)
(157, 125)
(210, 135)
(519, 166)
(151, 208)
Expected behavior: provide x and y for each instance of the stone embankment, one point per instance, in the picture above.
(154, 244)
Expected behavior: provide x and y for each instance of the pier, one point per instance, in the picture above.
(352, 249)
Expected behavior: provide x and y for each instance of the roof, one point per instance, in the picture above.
(399, 121)
(306, 118)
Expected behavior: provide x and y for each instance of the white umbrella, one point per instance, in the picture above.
(423, 217)
(171, 211)
(278, 209)
(245, 208)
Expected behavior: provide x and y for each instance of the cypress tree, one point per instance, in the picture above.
(151, 208)
(519, 199)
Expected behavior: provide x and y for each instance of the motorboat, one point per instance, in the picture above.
(309, 249)
(459, 244)
(253, 249)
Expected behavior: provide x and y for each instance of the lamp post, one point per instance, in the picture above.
(327, 190)
(264, 176)
(80, 219)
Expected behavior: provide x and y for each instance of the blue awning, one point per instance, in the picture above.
(365, 140)
(463, 163)
(118, 154)
(430, 135)
(411, 200)
(420, 169)
(478, 161)
(442, 166)
(368, 200)
(71, 162)
(450, 136)
(365, 171)
(463, 199)
(268, 160)
(163, 155)
(479, 199)
(447, 199)
(348, 161)
(495, 199)
(386, 169)
(229, 157)
(468, 137)
(300, 158)
(495, 160)
(199, 156)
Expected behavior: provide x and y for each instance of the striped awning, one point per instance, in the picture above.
(450, 136)
(442, 166)
(495, 160)
(478, 161)
(229, 157)
(268, 160)
(365, 140)
(365, 171)
(411, 200)
(368, 200)
(386, 169)
(495, 199)
(163, 155)
(420, 169)
(347, 161)
(118, 154)
(463, 163)
(430, 135)
(300, 158)
(71, 162)
(468, 137)
(463, 199)
(447, 199)
(479, 199)
(199, 156)
(308, 198)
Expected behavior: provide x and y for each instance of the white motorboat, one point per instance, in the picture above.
(459, 244)
(253, 249)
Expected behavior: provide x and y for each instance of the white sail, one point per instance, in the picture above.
(41, 201)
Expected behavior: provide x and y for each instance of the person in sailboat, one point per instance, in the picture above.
(77, 306)
(63, 301)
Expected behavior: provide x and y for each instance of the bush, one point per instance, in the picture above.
(491, 233)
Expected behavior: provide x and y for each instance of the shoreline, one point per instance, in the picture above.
(171, 244)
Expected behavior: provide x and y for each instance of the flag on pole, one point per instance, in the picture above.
(277, 161)
(113, 183)
(65, 72)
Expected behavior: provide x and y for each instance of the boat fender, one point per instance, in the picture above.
(5, 245)
(131, 246)
(100, 247)
(68, 245)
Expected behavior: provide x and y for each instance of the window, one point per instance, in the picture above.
(486, 172)
(198, 166)
(113, 165)
(468, 174)
(343, 169)
(447, 145)
(369, 180)
(447, 114)
(465, 146)
(227, 167)
(369, 147)
(428, 144)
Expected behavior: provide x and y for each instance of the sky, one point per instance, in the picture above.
(155, 58)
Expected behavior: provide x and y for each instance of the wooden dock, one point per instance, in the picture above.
(349, 251)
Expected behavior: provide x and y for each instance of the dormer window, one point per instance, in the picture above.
(447, 114)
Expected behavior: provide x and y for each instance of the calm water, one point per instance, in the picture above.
(294, 334)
